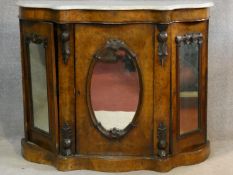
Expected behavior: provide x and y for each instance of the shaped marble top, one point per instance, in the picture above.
(116, 4)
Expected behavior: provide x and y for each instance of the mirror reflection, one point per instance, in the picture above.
(39, 86)
(115, 89)
(188, 76)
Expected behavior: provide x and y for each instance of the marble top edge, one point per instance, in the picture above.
(116, 4)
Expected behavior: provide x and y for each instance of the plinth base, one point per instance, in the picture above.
(34, 153)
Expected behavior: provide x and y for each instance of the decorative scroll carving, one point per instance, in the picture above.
(108, 53)
(66, 132)
(162, 39)
(189, 39)
(65, 38)
(162, 142)
(114, 133)
(37, 39)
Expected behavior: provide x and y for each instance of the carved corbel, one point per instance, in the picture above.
(66, 132)
(65, 38)
(162, 142)
(162, 39)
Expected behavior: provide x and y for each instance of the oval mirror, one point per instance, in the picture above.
(114, 89)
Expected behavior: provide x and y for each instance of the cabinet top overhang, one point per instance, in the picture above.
(115, 11)
(117, 4)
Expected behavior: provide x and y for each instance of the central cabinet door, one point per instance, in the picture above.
(114, 89)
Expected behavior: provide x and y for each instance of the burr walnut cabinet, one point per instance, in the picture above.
(115, 85)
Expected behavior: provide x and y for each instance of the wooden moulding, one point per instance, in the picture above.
(37, 154)
(119, 16)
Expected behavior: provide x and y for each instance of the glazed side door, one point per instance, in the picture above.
(39, 83)
(189, 85)
(90, 40)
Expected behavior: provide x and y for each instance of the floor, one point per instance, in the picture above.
(11, 162)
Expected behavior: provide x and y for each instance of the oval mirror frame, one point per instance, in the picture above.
(112, 44)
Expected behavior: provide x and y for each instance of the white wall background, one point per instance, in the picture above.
(220, 92)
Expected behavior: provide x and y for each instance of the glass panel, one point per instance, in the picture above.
(115, 89)
(189, 71)
(39, 86)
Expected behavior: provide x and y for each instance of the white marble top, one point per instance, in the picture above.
(116, 4)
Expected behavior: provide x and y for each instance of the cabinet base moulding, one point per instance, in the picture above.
(34, 153)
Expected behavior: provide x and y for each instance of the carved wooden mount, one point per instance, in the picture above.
(65, 38)
(113, 133)
(162, 39)
(162, 142)
(112, 50)
(189, 39)
(35, 38)
(66, 132)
